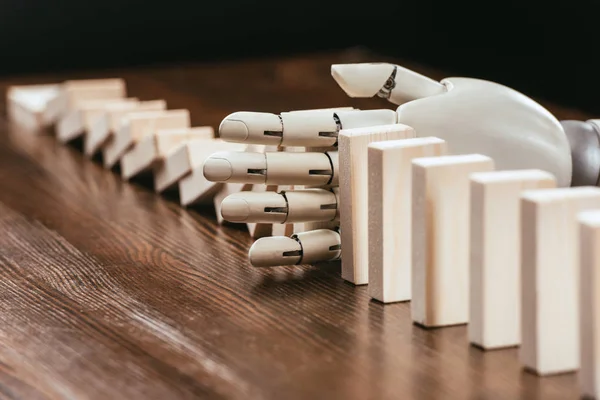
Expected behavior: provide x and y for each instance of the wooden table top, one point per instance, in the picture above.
(108, 291)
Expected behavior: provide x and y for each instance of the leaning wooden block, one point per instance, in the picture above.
(440, 237)
(354, 223)
(151, 149)
(74, 92)
(111, 120)
(81, 119)
(495, 265)
(550, 277)
(589, 301)
(390, 214)
(136, 126)
(194, 188)
(25, 105)
(184, 159)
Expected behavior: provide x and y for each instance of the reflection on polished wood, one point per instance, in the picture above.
(108, 290)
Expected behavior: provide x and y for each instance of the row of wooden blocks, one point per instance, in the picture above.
(506, 252)
(142, 137)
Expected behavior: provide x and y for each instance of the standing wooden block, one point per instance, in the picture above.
(184, 159)
(354, 212)
(25, 105)
(136, 126)
(440, 237)
(153, 148)
(550, 277)
(390, 214)
(111, 120)
(81, 119)
(589, 302)
(74, 92)
(495, 266)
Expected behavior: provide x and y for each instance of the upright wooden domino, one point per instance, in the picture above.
(151, 149)
(136, 126)
(440, 237)
(550, 277)
(75, 91)
(495, 263)
(111, 120)
(353, 180)
(82, 117)
(390, 214)
(589, 303)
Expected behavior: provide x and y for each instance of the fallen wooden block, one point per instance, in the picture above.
(390, 214)
(73, 92)
(137, 125)
(353, 183)
(550, 277)
(81, 119)
(150, 149)
(495, 266)
(194, 188)
(589, 301)
(25, 105)
(184, 159)
(111, 120)
(440, 237)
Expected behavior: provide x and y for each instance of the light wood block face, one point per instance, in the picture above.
(138, 125)
(550, 277)
(74, 92)
(495, 264)
(25, 105)
(81, 119)
(353, 160)
(111, 119)
(185, 158)
(390, 214)
(151, 149)
(440, 237)
(589, 301)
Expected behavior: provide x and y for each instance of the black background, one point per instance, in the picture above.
(543, 48)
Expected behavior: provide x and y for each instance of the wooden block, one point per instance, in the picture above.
(111, 120)
(142, 156)
(390, 214)
(440, 237)
(136, 126)
(81, 119)
(194, 188)
(25, 105)
(184, 159)
(495, 264)
(589, 302)
(550, 277)
(354, 209)
(74, 92)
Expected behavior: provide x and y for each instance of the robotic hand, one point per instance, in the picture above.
(471, 115)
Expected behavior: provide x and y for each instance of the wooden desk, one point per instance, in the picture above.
(109, 291)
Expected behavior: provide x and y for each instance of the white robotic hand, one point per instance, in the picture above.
(471, 115)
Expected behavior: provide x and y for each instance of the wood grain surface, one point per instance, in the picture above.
(109, 291)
